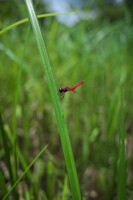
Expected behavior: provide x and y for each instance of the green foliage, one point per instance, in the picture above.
(7, 157)
(98, 52)
(122, 158)
(27, 19)
(111, 10)
(25, 171)
(66, 145)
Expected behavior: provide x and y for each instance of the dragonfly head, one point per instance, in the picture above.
(61, 90)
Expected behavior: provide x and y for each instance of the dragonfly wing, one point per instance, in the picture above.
(61, 95)
(74, 91)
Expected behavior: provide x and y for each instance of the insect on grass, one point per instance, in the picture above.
(62, 91)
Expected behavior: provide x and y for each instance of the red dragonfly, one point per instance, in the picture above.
(67, 89)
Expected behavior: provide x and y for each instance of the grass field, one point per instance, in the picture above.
(97, 119)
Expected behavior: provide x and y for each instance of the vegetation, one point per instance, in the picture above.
(99, 116)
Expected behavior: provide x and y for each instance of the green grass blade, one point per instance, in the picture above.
(18, 82)
(122, 160)
(65, 188)
(3, 187)
(7, 154)
(68, 154)
(16, 59)
(9, 53)
(26, 170)
(113, 114)
(19, 153)
(27, 19)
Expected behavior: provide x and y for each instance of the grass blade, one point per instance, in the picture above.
(68, 154)
(16, 96)
(7, 154)
(16, 59)
(121, 193)
(3, 186)
(19, 153)
(27, 19)
(29, 166)
(65, 188)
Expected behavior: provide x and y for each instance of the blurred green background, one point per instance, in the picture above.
(98, 49)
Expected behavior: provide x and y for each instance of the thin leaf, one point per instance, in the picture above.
(72, 173)
(121, 193)
(18, 82)
(27, 19)
(3, 187)
(7, 153)
(65, 188)
(29, 166)
(19, 153)
(16, 59)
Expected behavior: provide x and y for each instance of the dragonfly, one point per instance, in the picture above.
(62, 91)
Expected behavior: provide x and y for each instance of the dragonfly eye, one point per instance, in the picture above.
(60, 89)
